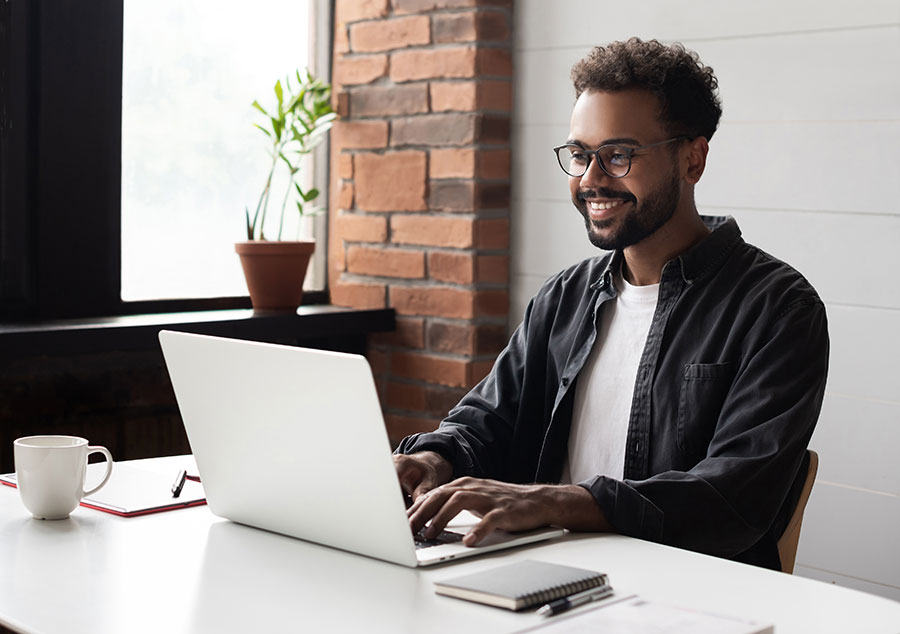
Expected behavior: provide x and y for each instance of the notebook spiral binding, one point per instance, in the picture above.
(557, 592)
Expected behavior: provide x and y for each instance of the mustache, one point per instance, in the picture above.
(603, 192)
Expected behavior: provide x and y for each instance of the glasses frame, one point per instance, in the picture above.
(595, 155)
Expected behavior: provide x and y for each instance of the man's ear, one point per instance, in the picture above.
(695, 161)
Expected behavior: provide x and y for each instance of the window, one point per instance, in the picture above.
(117, 151)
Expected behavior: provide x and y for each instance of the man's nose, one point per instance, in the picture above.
(593, 175)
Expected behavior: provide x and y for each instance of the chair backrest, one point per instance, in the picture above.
(787, 544)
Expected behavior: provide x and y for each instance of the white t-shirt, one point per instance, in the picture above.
(605, 386)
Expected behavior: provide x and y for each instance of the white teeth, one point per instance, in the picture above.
(599, 206)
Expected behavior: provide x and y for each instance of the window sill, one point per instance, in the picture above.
(139, 332)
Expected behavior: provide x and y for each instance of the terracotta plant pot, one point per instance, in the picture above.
(275, 271)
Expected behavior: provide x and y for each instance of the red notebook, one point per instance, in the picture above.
(132, 491)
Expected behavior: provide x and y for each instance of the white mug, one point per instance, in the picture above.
(50, 473)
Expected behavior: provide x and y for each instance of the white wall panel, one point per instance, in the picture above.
(559, 229)
(827, 257)
(831, 76)
(857, 442)
(853, 533)
(865, 348)
(548, 24)
(804, 166)
(890, 592)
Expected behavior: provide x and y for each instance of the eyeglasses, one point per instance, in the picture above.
(615, 160)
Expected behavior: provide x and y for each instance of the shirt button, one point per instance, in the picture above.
(565, 381)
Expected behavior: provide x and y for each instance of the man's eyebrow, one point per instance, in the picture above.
(615, 141)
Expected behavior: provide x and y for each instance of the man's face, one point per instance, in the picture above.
(620, 212)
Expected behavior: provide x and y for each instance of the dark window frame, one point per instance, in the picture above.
(60, 165)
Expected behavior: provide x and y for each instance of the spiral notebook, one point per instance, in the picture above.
(521, 585)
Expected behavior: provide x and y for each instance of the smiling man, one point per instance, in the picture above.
(666, 389)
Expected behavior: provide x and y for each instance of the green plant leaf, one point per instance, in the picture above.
(300, 207)
(310, 195)
(277, 126)
(279, 92)
(256, 105)
(286, 160)
(266, 132)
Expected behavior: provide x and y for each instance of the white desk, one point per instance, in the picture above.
(188, 571)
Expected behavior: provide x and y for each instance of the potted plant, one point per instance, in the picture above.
(275, 269)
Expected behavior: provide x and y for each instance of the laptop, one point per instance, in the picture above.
(292, 440)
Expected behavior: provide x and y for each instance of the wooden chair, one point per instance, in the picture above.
(787, 545)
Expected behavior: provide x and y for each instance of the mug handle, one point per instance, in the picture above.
(109, 465)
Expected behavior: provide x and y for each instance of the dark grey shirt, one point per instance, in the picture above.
(728, 391)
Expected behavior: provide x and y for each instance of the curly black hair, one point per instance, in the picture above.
(686, 88)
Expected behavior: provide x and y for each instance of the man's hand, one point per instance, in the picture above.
(501, 505)
(421, 472)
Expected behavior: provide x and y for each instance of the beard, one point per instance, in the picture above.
(640, 222)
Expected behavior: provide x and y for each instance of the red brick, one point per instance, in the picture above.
(478, 370)
(467, 195)
(359, 70)
(492, 233)
(340, 101)
(357, 295)
(405, 396)
(493, 164)
(436, 129)
(492, 303)
(471, 95)
(438, 301)
(352, 10)
(455, 268)
(390, 182)
(493, 61)
(466, 338)
(385, 35)
(432, 63)
(361, 227)
(484, 26)
(433, 369)
(454, 95)
(372, 101)
(440, 400)
(408, 333)
(452, 163)
(420, 6)
(493, 269)
(452, 195)
(341, 40)
(345, 166)
(435, 231)
(399, 427)
(345, 196)
(363, 135)
(386, 262)
(379, 361)
(493, 129)
(453, 338)
(495, 95)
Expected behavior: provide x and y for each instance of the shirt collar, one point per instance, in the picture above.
(702, 259)
(708, 255)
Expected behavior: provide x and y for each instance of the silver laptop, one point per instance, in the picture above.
(292, 440)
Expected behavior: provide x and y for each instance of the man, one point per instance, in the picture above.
(666, 390)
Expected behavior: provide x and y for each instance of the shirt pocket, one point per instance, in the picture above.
(704, 387)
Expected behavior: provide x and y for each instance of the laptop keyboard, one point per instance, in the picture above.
(444, 537)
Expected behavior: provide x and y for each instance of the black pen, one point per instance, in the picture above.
(573, 601)
(179, 483)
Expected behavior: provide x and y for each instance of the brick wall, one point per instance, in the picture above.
(419, 217)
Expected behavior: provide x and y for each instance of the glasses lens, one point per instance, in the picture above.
(573, 160)
(616, 160)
